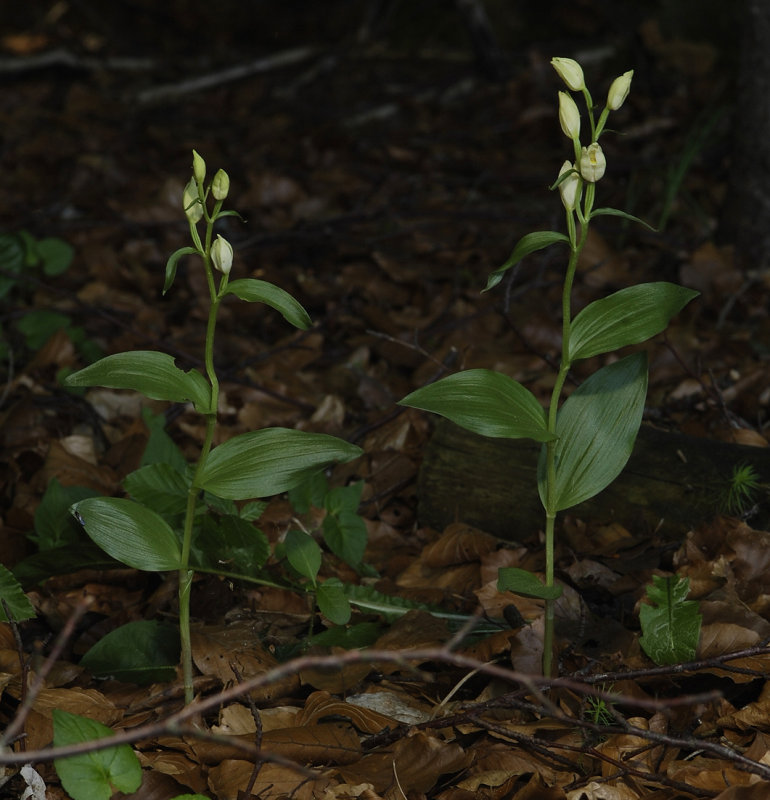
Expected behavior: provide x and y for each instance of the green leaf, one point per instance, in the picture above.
(172, 263)
(130, 533)
(519, 581)
(142, 652)
(671, 622)
(615, 212)
(230, 544)
(303, 553)
(368, 599)
(343, 499)
(38, 326)
(62, 560)
(92, 776)
(629, 316)
(153, 374)
(13, 596)
(355, 637)
(160, 448)
(256, 291)
(190, 797)
(271, 461)
(56, 255)
(597, 427)
(332, 602)
(346, 535)
(54, 526)
(311, 492)
(159, 487)
(253, 511)
(529, 243)
(484, 402)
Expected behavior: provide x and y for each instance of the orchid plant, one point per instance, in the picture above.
(250, 465)
(587, 440)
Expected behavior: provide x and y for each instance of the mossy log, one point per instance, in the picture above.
(671, 483)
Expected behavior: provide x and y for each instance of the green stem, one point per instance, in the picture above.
(576, 247)
(185, 573)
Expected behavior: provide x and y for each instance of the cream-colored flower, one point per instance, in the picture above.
(619, 90)
(222, 255)
(191, 203)
(569, 116)
(570, 72)
(220, 186)
(568, 188)
(592, 163)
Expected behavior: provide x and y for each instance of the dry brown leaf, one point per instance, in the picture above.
(459, 544)
(612, 790)
(415, 762)
(757, 791)
(495, 764)
(217, 649)
(363, 717)
(708, 773)
(273, 782)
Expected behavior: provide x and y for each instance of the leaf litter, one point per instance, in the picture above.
(387, 231)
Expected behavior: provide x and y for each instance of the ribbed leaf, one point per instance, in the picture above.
(670, 622)
(256, 291)
(153, 374)
(629, 316)
(129, 532)
(597, 427)
(484, 402)
(538, 240)
(271, 461)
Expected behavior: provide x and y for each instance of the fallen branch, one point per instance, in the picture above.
(168, 91)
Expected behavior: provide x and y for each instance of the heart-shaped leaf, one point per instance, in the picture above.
(93, 775)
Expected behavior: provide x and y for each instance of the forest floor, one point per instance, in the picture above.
(380, 182)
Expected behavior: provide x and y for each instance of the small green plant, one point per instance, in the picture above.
(198, 502)
(588, 440)
(23, 256)
(670, 622)
(741, 490)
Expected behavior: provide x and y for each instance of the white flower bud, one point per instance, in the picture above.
(592, 163)
(569, 116)
(570, 72)
(190, 202)
(568, 188)
(222, 255)
(199, 167)
(619, 91)
(220, 186)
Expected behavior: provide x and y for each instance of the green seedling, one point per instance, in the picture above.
(670, 622)
(587, 440)
(23, 256)
(199, 502)
(740, 493)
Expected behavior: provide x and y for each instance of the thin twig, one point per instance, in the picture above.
(17, 724)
